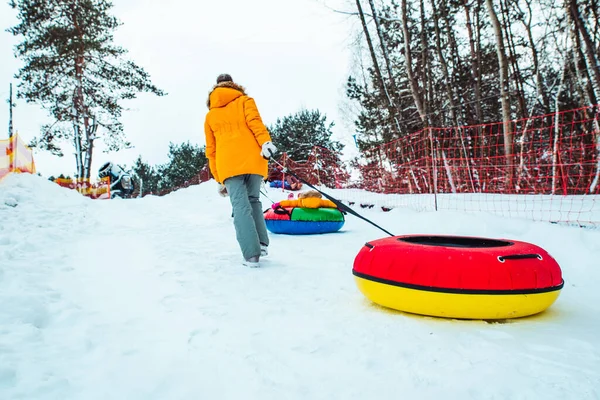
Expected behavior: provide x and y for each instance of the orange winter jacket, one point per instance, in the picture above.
(234, 133)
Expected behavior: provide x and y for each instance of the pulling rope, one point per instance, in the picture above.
(337, 202)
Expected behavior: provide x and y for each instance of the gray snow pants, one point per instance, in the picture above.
(248, 219)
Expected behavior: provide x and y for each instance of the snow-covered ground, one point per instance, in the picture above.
(147, 299)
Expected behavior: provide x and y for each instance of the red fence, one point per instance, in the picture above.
(551, 154)
(322, 167)
(551, 174)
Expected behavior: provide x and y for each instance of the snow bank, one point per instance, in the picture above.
(35, 191)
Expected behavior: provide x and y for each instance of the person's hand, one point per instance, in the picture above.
(223, 190)
(268, 150)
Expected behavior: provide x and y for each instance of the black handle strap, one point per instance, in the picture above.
(341, 206)
(519, 257)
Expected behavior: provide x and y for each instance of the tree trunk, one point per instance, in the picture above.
(425, 69)
(373, 55)
(428, 92)
(475, 69)
(78, 148)
(478, 45)
(543, 96)
(504, 94)
(386, 57)
(390, 105)
(414, 85)
(478, 140)
(448, 172)
(449, 92)
(596, 17)
(587, 87)
(557, 130)
(90, 134)
(594, 183)
(444, 65)
(456, 58)
(584, 81)
(591, 60)
(78, 102)
(512, 51)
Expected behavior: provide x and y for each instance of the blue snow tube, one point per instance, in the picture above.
(303, 227)
(304, 221)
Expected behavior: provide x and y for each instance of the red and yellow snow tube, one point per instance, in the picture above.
(458, 277)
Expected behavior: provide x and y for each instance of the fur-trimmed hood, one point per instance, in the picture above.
(223, 93)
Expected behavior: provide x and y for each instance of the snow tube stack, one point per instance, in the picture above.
(458, 277)
(303, 221)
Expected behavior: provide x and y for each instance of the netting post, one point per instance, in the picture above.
(596, 125)
(433, 168)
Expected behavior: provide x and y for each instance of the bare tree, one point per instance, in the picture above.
(504, 92)
(414, 84)
(590, 51)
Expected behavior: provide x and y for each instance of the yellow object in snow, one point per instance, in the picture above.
(456, 305)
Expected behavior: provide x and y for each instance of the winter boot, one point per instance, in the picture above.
(264, 250)
(252, 262)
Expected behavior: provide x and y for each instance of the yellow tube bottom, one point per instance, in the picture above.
(452, 305)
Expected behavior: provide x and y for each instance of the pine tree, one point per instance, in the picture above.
(185, 163)
(73, 70)
(146, 177)
(296, 134)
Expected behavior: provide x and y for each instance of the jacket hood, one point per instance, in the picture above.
(224, 93)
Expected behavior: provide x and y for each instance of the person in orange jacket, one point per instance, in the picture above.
(238, 146)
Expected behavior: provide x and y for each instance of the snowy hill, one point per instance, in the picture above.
(147, 299)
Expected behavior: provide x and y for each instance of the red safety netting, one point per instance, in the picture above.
(551, 154)
(551, 172)
(323, 168)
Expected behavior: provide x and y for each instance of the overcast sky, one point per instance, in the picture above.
(289, 54)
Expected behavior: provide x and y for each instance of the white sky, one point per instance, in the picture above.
(289, 54)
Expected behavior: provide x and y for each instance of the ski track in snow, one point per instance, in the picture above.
(147, 299)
